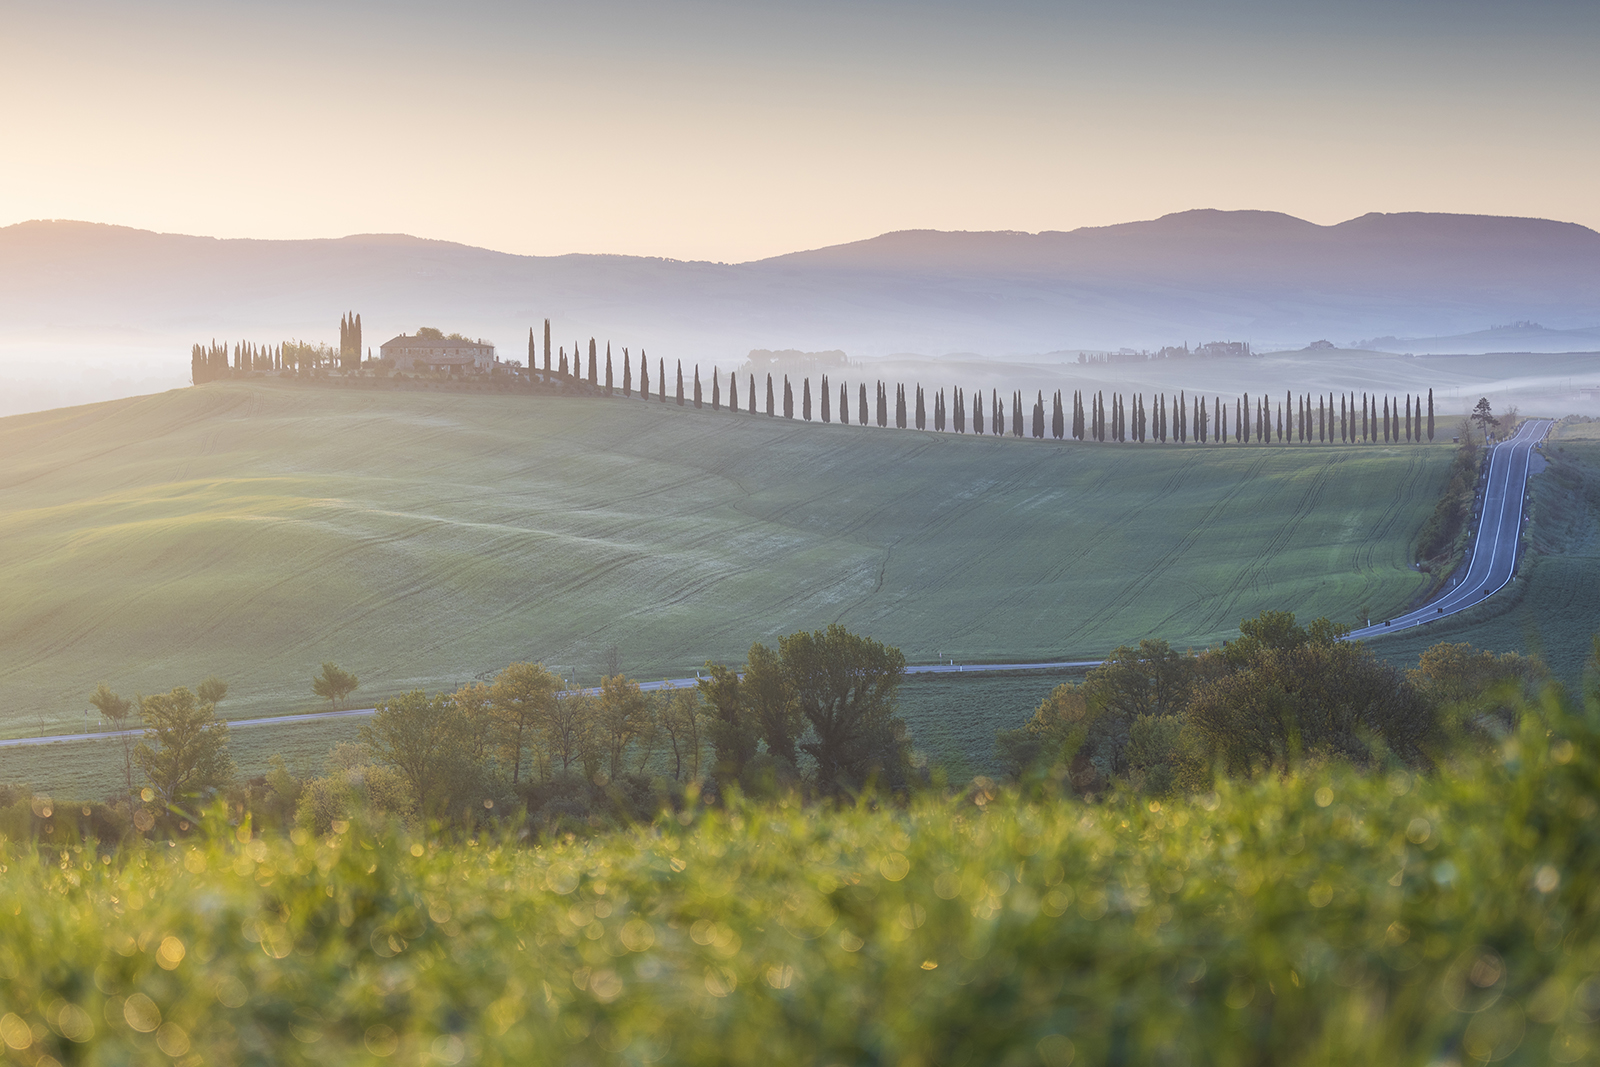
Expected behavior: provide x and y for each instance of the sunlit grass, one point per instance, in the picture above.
(1327, 917)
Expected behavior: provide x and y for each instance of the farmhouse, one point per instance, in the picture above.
(452, 355)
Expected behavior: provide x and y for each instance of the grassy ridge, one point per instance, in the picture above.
(254, 530)
(1314, 918)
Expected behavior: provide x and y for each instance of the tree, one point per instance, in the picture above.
(624, 716)
(608, 368)
(184, 752)
(788, 398)
(1430, 414)
(116, 709)
(805, 400)
(1016, 413)
(697, 395)
(733, 730)
(977, 413)
(733, 391)
(680, 719)
(844, 404)
(547, 346)
(644, 378)
(594, 375)
(845, 687)
(900, 407)
(522, 698)
(627, 374)
(752, 394)
(1483, 415)
(921, 413)
(679, 394)
(823, 398)
(716, 390)
(861, 406)
(764, 689)
(661, 381)
(565, 724)
(332, 685)
(430, 742)
(772, 404)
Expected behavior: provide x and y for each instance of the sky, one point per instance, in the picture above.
(733, 131)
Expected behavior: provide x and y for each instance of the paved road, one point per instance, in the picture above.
(1493, 561)
(1494, 546)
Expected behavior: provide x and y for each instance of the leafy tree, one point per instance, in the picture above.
(733, 730)
(116, 709)
(184, 752)
(431, 743)
(332, 685)
(766, 695)
(1477, 693)
(845, 688)
(1483, 415)
(523, 699)
(624, 716)
(212, 691)
(565, 724)
(680, 719)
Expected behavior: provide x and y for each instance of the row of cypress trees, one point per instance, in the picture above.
(1198, 419)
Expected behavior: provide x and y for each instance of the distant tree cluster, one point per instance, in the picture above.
(1280, 694)
(350, 342)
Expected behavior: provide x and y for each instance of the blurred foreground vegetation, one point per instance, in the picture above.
(1316, 915)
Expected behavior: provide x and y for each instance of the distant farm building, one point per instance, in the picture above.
(450, 355)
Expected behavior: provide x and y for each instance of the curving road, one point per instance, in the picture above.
(1494, 546)
(1490, 567)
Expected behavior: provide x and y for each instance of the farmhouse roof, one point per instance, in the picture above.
(409, 341)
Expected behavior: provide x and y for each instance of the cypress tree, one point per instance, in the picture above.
(1366, 429)
(733, 390)
(844, 405)
(1038, 416)
(1408, 417)
(563, 362)
(788, 399)
(533, 351)
(644, 378)
(961, 409)
(716, 390)
(608, 368)
(678, 396)
(822, 395)
(594, 365)
(861, 406)
(696, 383)
(805, 399)
(1385, 420)
(772, 405)
(921, 413)
(752, 394)
(627, 374)
(1430, 414)
(977, 413)
(1058, 418)
(547, 346)
(883, 406)
(899, 407)
(661, 381)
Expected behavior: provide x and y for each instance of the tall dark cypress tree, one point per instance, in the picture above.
(661, 381)
(823, 396)
(627, 374)
(788, 399)
(861, 406)
(977, 413)
(696, 383)
(716, 390)
(805, 399)
(644, 377)
(1058, 418)
(1385, 420)
(594, 365)
(753, 394)
(547, 346)
(772, 403)
(1038, 416)
(608, 368)
(883, 406)
(533, 352)
(678, 395)
(921, 413)
(563, 367)
(961, 409)
(1430, 414)
(733, 391)
(844, 404)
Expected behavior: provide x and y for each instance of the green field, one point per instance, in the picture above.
(420, 539)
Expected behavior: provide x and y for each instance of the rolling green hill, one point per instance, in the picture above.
(255, 530)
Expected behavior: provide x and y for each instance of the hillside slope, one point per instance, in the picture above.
(256, 529)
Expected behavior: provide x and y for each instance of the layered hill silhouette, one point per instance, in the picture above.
(1199, 275)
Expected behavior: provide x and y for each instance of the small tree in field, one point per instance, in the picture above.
(185, 748)
(333, 684)
(1483, 415)
(116, 709)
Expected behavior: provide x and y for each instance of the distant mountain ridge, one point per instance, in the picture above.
(1261, 276)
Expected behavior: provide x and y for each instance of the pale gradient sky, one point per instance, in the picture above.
(732, 131)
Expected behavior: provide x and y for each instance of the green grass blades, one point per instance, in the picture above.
(1326, 917)
(417, 539)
